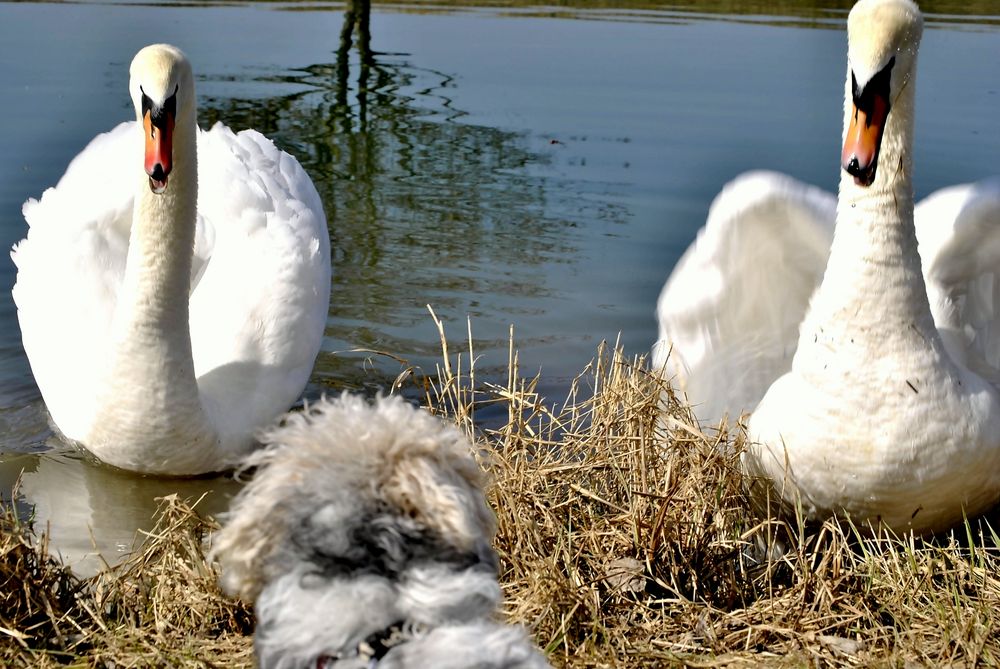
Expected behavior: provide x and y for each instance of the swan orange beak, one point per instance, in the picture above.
(159, 131)
(864, 137)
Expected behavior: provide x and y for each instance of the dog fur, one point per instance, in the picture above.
(364, 540)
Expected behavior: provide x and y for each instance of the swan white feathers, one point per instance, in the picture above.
(958, 231)
(872, 383)
(165, 328)
(729, 314)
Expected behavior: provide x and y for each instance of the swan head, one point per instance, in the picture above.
(162, 88)
(883, 37)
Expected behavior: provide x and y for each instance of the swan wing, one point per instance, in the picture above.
(730, 311)
(259, 308)
(69, 268)
(958, 232)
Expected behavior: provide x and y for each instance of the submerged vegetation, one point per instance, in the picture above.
(627, 539)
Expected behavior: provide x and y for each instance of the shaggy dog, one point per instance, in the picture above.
(364, 540)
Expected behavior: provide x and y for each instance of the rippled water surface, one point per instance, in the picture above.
(534, 166)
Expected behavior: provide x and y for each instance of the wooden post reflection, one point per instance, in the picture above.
(357, 15)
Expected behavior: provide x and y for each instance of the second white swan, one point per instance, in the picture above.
(875, 384)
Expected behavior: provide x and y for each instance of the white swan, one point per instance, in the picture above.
(153, 357)
(875, 386)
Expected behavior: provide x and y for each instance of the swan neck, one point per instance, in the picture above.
(157, 281)
(873, 278)
(150, 387)
(887, 204)
(879, 218)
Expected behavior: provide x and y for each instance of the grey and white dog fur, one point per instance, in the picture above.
(364, 540)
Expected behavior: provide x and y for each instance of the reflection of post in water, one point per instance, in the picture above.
(357, 14)
(422, 209)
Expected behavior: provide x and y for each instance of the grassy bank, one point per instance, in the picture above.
(626, 538)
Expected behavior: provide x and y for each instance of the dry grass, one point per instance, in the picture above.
(37, 594)
(160, 607)
(627, 539)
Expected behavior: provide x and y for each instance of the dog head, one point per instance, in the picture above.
(360, 517)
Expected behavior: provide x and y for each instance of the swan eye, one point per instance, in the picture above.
(170, 104)
(158, 115)
(877, 87)
(147, 104)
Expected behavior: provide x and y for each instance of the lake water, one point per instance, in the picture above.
(541, 166)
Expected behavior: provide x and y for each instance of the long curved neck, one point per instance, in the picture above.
(150, 393)
(873, 286)
(153, 304)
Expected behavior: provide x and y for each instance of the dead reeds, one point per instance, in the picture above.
(37, 594)
(627, 538)
(160, 607)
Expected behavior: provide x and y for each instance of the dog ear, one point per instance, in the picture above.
(440, 489)
(242, 547)
(254, 528)
(297, 470)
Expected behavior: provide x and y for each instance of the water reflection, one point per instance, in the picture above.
(93, 513)
(356, 16)
(421, 211)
